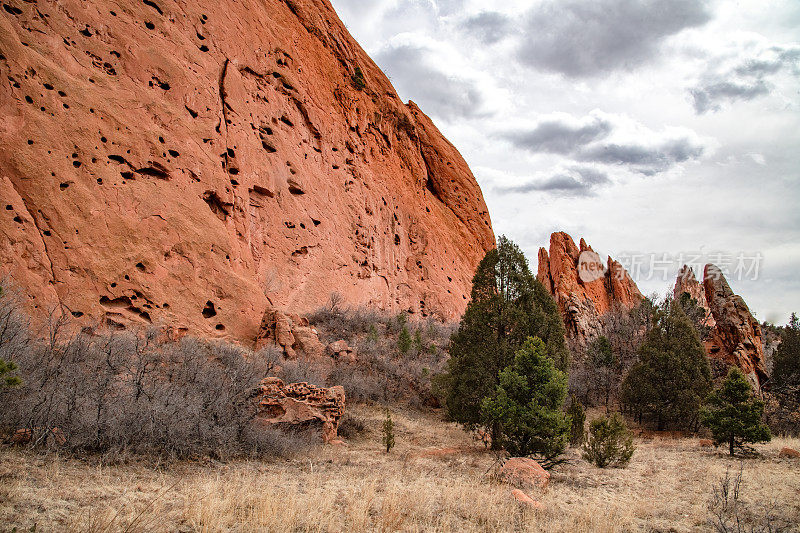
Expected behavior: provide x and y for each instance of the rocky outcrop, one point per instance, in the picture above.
(584, 288)
(191, 164)
(300, 405)
(735, 335)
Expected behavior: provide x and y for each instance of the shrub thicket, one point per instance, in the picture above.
(608, 442)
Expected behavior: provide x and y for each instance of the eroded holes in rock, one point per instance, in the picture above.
(86, 32)
(154, 6)
(76, 164)
(17, 219)
(268, 147)
(117, 303)
(155, 170)
(140, 267)
(113, 285)
(295, 189)
(115, 54)
(64, 185)
(289, 225)
(157, 82)
(263, 191)
(191, 111)
(30, 142)
(220, 327)
(396, 239)
(12, 10)
(316, 222)
(103, 140)
(209, 311)
(231, 153)
(286, 121)
(47, 233)
(203, 48)
(149, 25)
(127, 175)
(302, 225)
(76, 314)
(47, 86)
(300, 252)
(28, 99)
(173, 153)
(234, 182)
(62, 94)
(127, 277)
(165, 306)
(117, 158)
(99, 181)
(9, 207)
(215, 204)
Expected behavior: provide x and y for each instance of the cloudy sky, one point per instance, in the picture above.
(662, 131)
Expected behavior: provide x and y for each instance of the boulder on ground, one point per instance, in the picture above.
(300, 405)
(341, 351)
(706, 443)
(789, 453)
(524, 473)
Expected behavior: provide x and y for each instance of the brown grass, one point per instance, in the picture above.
(359, 488)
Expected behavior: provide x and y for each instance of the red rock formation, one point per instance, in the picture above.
(300, 404)
(687, 283)
(736, 337)
(583, 287)
(192, 164)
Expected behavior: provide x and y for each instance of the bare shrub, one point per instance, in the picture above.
(730, 512)
(137, 391)
(351, 426)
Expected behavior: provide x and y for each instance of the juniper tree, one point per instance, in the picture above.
(672, 376)
(732, 413)
(786, 367)
(507, 306)
(526, 405)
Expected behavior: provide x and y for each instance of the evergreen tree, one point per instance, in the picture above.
(577, 417)
(527, 404)
(672, 376)
(786, 366)
(404, 341)
(507, 306)
(732, 413)
(387, 432)
(604, 361)
(7, 377)
(609, 442)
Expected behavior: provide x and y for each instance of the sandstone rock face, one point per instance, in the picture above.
(192, 164)
(736, 336)
(583, 287)
(524, 473)
(300, 404)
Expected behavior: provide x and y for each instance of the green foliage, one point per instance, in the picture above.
(7, 377)
(372, 335)
(732, 413)
(603, 361)
(404, 341)
(358, 79)
(507, 306)
(417, 343)
(786, 366)
(387, 432)
(577, 417)
(609, 442)
(698, 316)
(526, 406)
(672, 376)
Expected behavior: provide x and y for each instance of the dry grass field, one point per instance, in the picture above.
(436, 479)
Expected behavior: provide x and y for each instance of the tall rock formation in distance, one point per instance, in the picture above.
(584, 288)
(736, 336)
(193, 164)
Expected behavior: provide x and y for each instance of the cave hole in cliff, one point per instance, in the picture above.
(12, 10)
(295, 189)
(204, 48)
(220, 327)
(140, 267)
(156, 170)
(209, 311)
(286, 121)
(316, 222)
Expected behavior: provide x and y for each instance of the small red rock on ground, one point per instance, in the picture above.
(789, 452)
(524, 499)
(706, 443)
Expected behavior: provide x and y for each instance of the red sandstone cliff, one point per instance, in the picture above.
(735, 334)
(194, 163)
(583, 297)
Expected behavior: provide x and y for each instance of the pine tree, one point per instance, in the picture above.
(404, 341)
(672, 376)
(526, 405)
(786, 367)
(732, 413)
(603, 360)
(507, 306)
